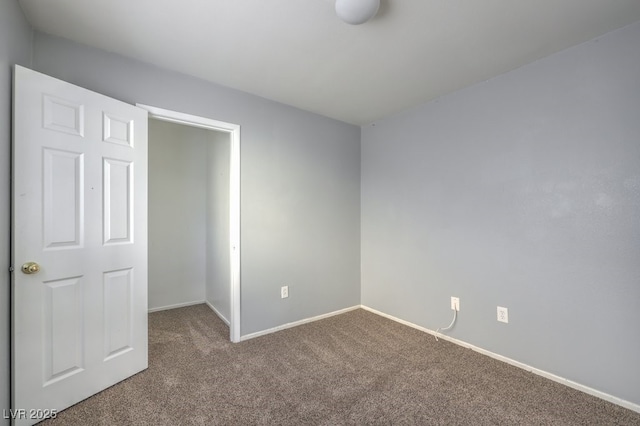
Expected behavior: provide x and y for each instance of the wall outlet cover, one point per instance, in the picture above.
(284, 292)
(455, 303)
(503, 314)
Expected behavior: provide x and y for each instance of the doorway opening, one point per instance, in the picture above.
(198, 213)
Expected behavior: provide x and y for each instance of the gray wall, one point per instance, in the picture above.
(178, 186)
(218, 288)
(300, 181)
(15, 48)
(524, 192)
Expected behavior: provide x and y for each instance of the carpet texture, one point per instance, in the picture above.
(352, 369)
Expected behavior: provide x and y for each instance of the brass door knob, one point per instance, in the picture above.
(30, 268)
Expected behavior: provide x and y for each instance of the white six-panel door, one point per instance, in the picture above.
(79, 213)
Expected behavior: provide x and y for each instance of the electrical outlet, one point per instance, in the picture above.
(284, 292)
(503, 314)
(455, 303)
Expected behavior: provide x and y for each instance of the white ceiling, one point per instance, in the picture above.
(299, 53)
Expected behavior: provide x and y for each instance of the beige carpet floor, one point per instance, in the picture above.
(352, 369)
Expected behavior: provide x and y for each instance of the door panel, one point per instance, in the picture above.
(63, 352)
(63, 198)
(118, 197)
(118, 297)
(80, 323)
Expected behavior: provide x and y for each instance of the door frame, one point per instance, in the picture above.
(234, 196)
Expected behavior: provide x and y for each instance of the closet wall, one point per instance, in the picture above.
(178, 187)
(218, 284)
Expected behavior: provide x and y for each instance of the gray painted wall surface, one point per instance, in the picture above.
(300, 181)
(524, 192)
(15, 48)
(218, 288)
(177, 213)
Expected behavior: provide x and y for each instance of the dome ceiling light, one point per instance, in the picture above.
(356, 12)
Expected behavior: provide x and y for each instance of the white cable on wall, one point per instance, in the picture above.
(453, 321)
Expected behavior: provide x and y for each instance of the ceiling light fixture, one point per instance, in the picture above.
(356, 12)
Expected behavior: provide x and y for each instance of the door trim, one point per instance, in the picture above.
(234, 196)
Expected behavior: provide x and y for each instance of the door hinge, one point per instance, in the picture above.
(11, 269)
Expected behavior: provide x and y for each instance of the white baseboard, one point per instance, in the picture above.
(586, 389)
(177, 305)
(226, 321)
(296, 323)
